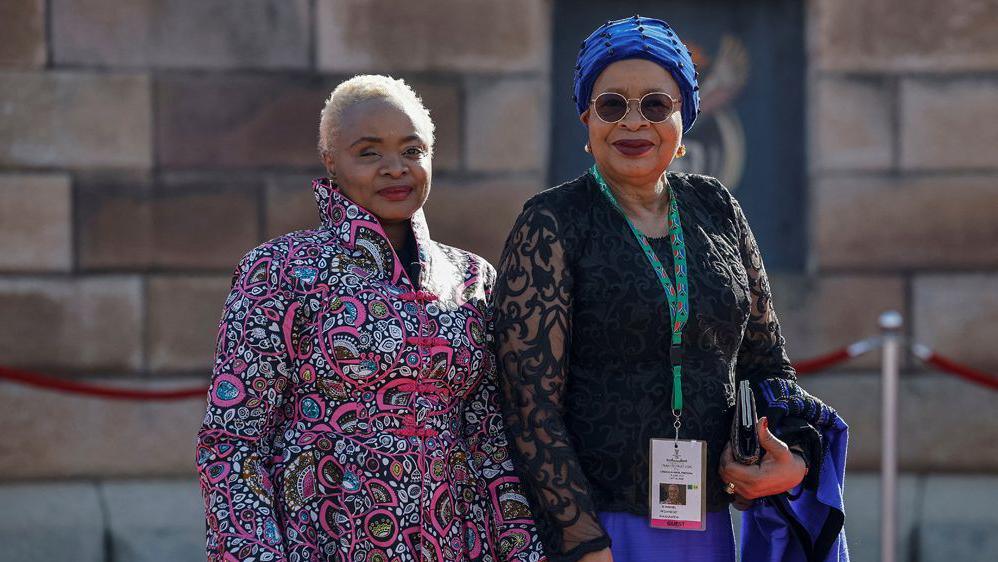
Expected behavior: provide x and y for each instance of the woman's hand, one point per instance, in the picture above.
(740, 503)
(779, 471)
(598, 556)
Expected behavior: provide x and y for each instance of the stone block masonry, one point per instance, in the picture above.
(146, 146)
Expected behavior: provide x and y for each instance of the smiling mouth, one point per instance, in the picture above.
(633, 147)
(396, 192)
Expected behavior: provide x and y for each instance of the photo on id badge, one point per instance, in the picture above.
(672, 493)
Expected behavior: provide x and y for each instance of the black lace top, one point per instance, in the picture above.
(583, 338)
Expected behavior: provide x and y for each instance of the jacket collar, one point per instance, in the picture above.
(361, 233)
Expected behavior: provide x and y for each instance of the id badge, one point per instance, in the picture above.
(678, 473)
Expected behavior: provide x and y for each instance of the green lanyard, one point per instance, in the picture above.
(678, 294)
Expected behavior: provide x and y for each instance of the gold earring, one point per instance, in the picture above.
(681, 151)
(587, 149)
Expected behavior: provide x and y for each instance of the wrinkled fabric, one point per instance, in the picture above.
(352, 413)
(807, 527)
(636, 541)
(637, 38)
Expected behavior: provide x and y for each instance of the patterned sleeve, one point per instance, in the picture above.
(533, 314)
(795, 416)
(249, 378)
(486, 434)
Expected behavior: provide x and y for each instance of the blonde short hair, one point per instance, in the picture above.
(366, 87)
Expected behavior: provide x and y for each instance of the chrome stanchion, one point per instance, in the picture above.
(890, 326)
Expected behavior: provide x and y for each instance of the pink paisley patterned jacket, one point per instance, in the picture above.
(352, 413)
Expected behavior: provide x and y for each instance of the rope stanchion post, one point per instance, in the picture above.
(890, 327)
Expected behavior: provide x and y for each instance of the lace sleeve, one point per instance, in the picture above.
(762, 352)
(533, 315)
(794, 415)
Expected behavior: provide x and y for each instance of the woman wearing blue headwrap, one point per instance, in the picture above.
(630, 303)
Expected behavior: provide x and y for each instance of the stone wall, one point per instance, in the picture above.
(904, 161)
(146, 145)
(903, 175)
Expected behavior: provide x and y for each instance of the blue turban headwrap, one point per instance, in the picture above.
(638, 38)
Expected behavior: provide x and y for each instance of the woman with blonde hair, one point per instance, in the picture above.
(352, 413)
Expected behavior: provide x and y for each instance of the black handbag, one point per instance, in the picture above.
(744, 434)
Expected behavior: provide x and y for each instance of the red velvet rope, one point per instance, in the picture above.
(966, 373)
(822, 361)
(112, 393)
(99, 391)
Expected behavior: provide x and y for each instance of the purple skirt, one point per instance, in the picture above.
(635, 541)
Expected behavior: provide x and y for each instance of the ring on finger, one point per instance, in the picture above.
(730, 488)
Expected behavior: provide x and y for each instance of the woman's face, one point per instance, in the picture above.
(673, 493)
(633, 149)
(381, 160)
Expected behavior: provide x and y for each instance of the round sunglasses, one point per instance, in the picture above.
(654, 107)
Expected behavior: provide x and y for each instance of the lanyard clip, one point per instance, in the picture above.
(676, 354)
